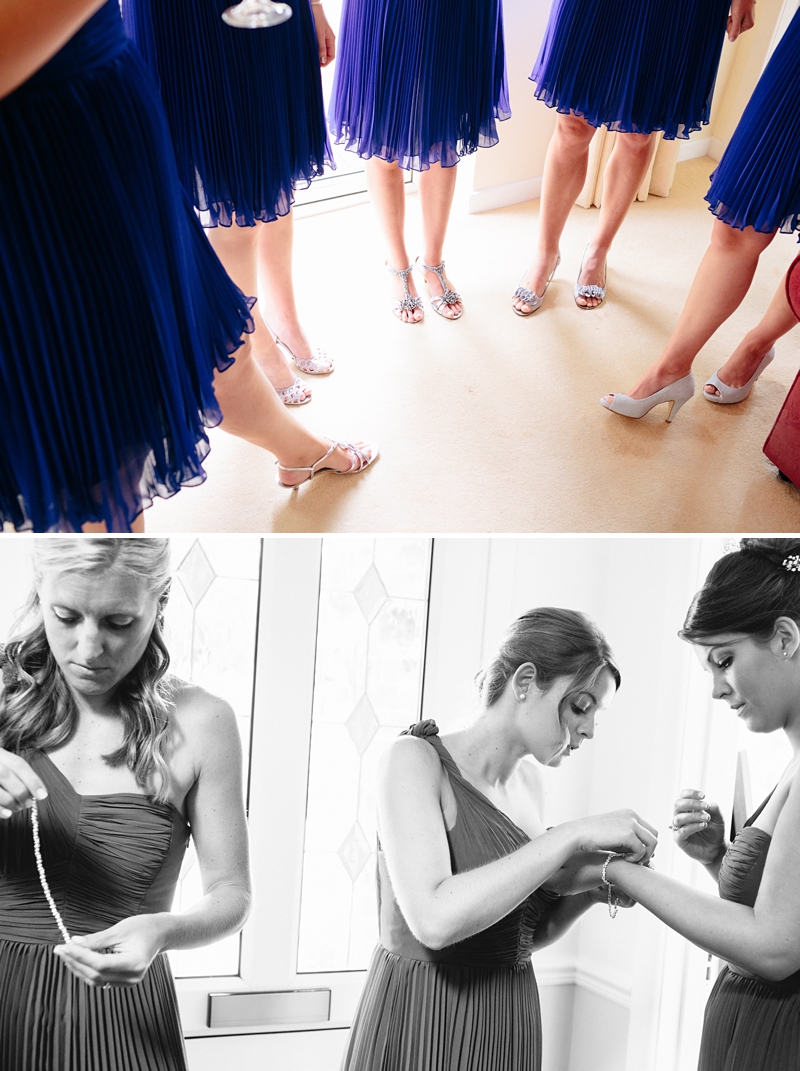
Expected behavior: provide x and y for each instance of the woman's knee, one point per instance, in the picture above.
(573, 129)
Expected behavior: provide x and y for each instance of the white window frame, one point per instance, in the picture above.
(279, 763)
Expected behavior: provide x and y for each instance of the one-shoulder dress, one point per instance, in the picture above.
(473, 1006)
(419, 81)
(106, 858)
(244, 106)
(750, 1024)
(114, 312)
(757, 181)
(633, 67)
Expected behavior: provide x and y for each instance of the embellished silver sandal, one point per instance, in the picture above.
(529, 297)
(592, 290)
(447, 296)
(319, 364)
(361, 461)
(408, 303)
(294, 393)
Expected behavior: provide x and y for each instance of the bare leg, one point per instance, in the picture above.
(564, 175)
(722, 280)
(277, 285)
(101, 528)
(237, 248)
(436, 188)
(252, 411)
(778, 320)
(388, 195)
(624, 174)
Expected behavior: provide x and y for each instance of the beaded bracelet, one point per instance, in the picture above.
(37, 851)
(613, 905)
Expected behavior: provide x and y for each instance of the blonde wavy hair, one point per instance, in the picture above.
(37, 709)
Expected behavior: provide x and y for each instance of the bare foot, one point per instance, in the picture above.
(449, 309)
(740, 366)
(593, 273)
(408, 316)
(353, 458)
(536, 278)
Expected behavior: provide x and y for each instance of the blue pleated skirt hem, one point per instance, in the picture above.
(115, 312)
(419, 83)
(757, 181)
(634, 68)
(244, 107)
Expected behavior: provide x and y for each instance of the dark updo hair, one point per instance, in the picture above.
(747, 591)
(559, 643)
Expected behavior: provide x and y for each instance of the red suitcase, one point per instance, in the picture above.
(783, 442)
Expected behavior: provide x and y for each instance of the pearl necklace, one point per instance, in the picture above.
(37, 851)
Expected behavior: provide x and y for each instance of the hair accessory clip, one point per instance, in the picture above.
(732, 546)
(792, 563)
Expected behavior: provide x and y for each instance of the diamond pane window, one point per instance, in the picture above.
(211, 622)
(371, 631)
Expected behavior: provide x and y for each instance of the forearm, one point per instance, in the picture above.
(563, 913)
(732, 931)
(222, 911)
(464, 904)
(32, 32)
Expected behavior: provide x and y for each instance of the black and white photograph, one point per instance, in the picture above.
(399, 802)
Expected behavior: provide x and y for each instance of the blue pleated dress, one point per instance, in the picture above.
(114, 311)
(419, 81)
(244, 106)
(636, 66)
(757, 182)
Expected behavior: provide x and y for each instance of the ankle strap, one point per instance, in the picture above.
(401, 271)
(438, 269)
(307, 468)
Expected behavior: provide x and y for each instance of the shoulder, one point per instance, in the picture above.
(410, 758)
(200, 717)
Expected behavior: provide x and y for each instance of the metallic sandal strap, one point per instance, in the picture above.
(528, 296)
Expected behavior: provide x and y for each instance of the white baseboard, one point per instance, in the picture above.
(509, 193)
(709, 146)
(601, 983)
(690, 150)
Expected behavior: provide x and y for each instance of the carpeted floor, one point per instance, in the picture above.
(493, 423)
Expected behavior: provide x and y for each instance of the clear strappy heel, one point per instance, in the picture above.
(409, 302)
(531, 299)
(447, 297)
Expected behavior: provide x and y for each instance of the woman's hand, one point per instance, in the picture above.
(624, 832)
(119, 955)
(19, 785)
(741, 18)
(699, 827)
(326, 39)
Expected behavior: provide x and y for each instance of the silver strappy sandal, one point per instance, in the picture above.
(361, 461)
(529, 297)
(447, 296)
(408, 303)
(318, 364)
